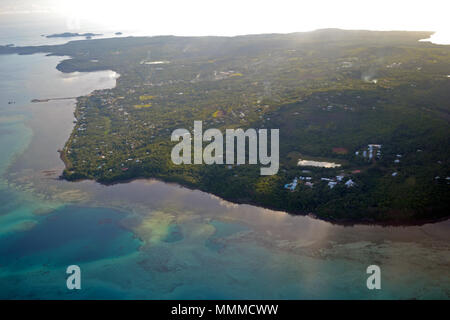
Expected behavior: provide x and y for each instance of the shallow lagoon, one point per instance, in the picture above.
(149, 239)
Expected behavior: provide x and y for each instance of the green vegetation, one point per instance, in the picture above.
(330, 92)
(140, 106)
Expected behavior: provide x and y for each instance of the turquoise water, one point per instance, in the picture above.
(69, 233)
(151, 240)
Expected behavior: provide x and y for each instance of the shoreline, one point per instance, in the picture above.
(342, 222)
(64, 68)
(141, 224)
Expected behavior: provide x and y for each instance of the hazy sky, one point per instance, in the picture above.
(231, 17)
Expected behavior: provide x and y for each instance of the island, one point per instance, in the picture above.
(363, 118)
(72, 35)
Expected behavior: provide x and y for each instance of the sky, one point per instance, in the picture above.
(234, 17)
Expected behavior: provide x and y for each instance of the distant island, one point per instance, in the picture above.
(72, 35)
(118, 33)
(363, 118)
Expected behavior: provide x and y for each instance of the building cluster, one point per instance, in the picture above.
(291, 186)
(331, 182)
(373, 151)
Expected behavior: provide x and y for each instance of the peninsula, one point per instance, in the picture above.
(363, 118)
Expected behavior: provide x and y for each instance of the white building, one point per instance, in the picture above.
(350, 183)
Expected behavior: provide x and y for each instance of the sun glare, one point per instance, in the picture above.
(245, 17)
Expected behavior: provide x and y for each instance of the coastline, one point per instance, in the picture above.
(186, 238)
(65, 67)
(338, 222)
